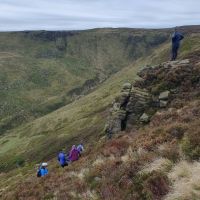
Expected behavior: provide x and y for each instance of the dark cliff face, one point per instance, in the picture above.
(48, 35)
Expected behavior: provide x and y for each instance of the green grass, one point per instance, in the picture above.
(82, 120)
(39, 66)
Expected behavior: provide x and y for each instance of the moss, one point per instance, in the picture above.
(190, 148)
(158, 88)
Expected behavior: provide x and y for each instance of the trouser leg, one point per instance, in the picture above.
(174, 52)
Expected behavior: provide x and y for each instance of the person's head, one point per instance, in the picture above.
(62, 150)
(74, 147)
(44, 165)
(176, 29)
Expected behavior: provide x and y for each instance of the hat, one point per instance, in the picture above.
(44, 164)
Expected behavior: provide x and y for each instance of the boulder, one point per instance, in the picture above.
(144, 118)
(164, 95)
(116, 124)
(184, 62)
(116, 107)
(127, 86)
(97, 179)
(163, 103)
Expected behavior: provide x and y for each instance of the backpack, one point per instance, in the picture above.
(39, 173)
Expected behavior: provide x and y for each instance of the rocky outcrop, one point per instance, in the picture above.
(128, 109)
(139, 102)
(156, 89)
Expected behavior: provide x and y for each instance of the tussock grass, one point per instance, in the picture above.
(185, 181)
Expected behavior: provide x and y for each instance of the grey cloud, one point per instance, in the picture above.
(84, 14)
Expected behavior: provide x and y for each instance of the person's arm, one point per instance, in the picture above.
(181, 36)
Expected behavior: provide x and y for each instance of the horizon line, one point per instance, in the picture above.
(87, 29)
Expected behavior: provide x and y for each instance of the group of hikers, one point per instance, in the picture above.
(63, 159)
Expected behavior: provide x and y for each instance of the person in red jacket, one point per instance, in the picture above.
(74, 154)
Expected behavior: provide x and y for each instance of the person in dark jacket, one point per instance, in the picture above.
(176, 38)
(62, 159)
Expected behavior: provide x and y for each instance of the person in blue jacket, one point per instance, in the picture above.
(62, 159)
(42, 171)
(176, 38)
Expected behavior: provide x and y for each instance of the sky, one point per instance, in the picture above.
(18, 15)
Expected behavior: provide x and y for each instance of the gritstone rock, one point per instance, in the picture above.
(144, 118)
(164, 95)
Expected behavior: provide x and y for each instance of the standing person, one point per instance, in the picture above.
(176, 38)
(62, 159)
(74, 154)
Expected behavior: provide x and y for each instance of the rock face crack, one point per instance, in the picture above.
(127, 108)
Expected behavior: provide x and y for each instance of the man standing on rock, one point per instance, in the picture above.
(176, 38)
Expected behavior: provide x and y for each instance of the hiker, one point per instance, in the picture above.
(74, 154)
(176, 38)
(42, 171)
(62, 159)
(80, 148)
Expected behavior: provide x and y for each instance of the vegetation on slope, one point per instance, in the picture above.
(85, 119)
(42, 71)
(146, 163)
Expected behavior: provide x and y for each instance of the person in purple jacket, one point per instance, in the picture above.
(74, 154)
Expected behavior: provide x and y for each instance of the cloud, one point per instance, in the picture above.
(84, 14)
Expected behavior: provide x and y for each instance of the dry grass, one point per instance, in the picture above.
(186, 181)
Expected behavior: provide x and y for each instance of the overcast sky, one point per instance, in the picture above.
(85, 14)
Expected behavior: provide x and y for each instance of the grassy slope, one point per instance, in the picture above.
(82, 119)
(39, 69)
(105, 51)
